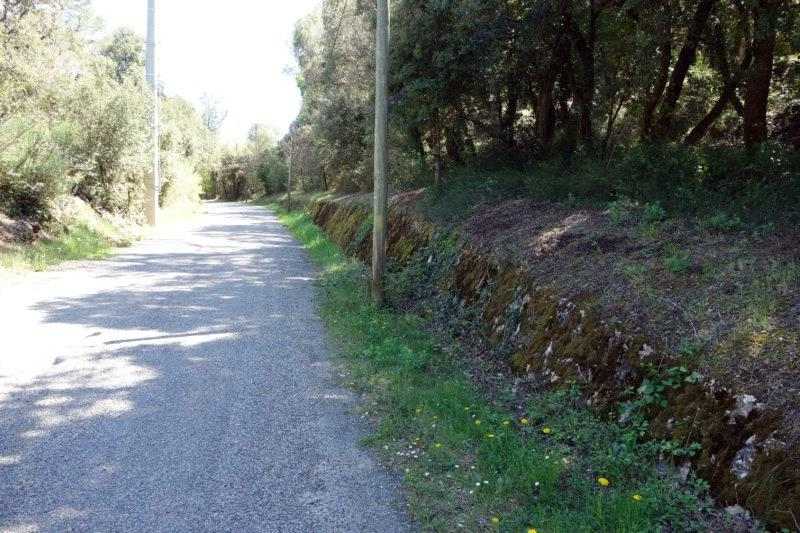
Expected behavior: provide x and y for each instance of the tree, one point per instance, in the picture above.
(765, 21)
(213, 114)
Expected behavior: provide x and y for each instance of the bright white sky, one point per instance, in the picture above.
(234, 50)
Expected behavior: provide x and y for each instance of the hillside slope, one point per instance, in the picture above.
(687, 330)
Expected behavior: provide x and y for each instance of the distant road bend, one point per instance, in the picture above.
(183, 385)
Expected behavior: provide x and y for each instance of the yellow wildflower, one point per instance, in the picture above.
(477, 422)
(546, 430)
(604, 482)
(495, 520)
(524, 422)
(532, 530)
(637, 497)
(438, 445)
(506, 422)
(490, 435)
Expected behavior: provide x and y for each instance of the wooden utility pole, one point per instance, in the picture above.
(381, 151)
(289, 177)
(152, 185)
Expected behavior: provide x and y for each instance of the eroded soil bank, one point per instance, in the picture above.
(684, 332)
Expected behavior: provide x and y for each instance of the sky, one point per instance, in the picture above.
(236, 51)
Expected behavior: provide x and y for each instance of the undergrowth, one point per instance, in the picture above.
(470, 464)
(723, 188)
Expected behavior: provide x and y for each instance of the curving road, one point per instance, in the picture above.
(183, 385)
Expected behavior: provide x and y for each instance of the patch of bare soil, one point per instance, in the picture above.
(727, 302)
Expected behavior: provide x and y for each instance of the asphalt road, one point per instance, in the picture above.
(183, 385)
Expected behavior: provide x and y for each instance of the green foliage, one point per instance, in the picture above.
(621, 210)
(676, 260)
(653, 212)
(723, 222)
(614, 92)
(650, 396)
(470, 463)
(75, 117)
(81, 242)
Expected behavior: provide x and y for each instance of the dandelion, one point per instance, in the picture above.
(604, 482)
(546, 430)
(637, 497)
(524, 421)
(495, 520)
(532, 530)
(477, 422)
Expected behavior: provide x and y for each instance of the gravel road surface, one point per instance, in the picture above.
(183, 385)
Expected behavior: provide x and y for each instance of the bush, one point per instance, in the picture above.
(76, 120)
(24, 200)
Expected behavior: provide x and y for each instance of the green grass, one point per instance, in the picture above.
(81, 242)
(472, 465)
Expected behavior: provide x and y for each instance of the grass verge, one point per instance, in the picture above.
(81, 242)
(468, 463)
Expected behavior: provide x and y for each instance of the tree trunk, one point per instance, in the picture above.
(686, 58)
(655, 94)
(765, 14)
(612, 119)
(545, 100)
(728, 93)
(435, 146)
(545, 115)
(454, 145)
(584, 46)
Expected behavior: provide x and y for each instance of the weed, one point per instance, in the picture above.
(691, 349)
(723, 222)
(634, 271)
(621, 210)
(653, 212)
(677, 261)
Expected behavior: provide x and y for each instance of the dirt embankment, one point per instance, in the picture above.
(691, 329)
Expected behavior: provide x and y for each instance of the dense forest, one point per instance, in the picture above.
(74, 116)
(682, 101)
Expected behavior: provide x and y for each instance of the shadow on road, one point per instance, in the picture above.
(182, 414)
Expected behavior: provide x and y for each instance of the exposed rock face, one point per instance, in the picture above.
(564, 341)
